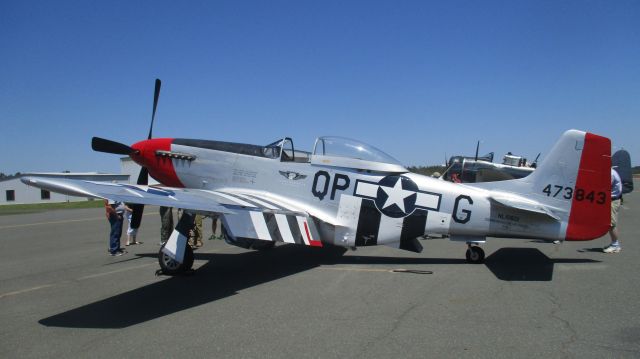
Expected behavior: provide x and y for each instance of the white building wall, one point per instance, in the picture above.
(25, 194)
(128, 167)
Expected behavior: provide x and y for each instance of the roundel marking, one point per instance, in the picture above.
(396, 196)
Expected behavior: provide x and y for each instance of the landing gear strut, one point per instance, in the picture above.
(170, 266)
(475, 254)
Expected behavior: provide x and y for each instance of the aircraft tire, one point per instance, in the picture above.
(171, 267)
(475, 255)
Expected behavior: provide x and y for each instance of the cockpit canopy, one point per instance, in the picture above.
(336, 152)
(346, 152)
(349, 148)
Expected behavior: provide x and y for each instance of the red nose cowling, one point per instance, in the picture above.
(160, 167)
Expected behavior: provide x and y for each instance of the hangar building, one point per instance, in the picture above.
(12, 191)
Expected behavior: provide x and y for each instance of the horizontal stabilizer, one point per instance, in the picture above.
(522, 205)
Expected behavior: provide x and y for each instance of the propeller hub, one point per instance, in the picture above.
(160, 167)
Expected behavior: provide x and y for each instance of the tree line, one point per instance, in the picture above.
(6, 177)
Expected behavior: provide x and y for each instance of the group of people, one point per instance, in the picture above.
(196, 233)
(117, 211)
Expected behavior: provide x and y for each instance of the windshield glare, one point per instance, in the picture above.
(349, 148)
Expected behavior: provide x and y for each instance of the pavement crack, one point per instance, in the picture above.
(387, 333)
(573, 337)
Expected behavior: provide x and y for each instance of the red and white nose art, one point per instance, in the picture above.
(160, 167)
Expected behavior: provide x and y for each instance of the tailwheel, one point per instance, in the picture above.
(475, 254)
(170, 266)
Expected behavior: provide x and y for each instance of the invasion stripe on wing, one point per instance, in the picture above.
(260, 225)
(278, 227)
(275, 203)
(273, 227)
(257, 201)
(232, 198)
(285, 230)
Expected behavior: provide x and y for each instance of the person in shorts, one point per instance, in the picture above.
(616, 194)
(131, 232)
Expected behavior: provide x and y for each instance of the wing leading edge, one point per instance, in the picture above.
(247, 216)
(195, 200)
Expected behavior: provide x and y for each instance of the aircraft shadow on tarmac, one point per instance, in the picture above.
(226, 274)
(526, 264)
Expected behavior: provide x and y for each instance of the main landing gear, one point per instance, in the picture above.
(475, 254)
(178, 238)
(170, 266)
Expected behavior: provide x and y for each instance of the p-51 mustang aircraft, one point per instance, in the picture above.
(347, 193)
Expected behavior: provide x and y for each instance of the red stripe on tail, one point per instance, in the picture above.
(590, 215)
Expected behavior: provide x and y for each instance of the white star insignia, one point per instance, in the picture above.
(396, 195)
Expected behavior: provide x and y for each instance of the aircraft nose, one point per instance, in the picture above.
(160, 167)
(144, 152)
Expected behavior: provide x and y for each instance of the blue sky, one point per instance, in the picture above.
(417, 79)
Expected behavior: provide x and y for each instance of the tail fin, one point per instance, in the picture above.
(576, 176)
(590, 215)
(573, 181)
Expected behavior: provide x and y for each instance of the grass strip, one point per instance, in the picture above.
(42, 207)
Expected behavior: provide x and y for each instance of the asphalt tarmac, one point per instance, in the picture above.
(61, 295)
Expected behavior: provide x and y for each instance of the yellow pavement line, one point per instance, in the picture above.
(357, 269)
(52, 222)
(64, 221)
(91, 276)
(97, 275)
(25, 290)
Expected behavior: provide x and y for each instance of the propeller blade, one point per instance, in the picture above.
(136, 215)
(138, 209)
(538, 156)
(156, 94)
(143, 177)
(477, 148)
(108, 146)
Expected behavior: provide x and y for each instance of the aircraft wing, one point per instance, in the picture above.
(248, 214)
(197, 200)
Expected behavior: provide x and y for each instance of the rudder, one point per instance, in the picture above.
(590, 215)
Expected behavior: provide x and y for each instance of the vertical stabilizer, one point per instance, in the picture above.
(573, 182)
(590, 215)
(576, 176)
